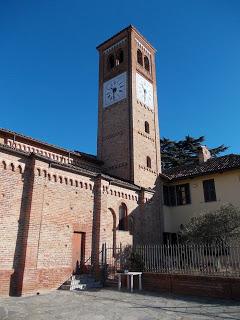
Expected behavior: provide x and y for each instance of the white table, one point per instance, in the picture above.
(129, 275)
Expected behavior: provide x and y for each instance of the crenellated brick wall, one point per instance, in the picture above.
(41, 206)
(40, 209)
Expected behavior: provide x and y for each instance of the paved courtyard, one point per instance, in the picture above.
(109, 304)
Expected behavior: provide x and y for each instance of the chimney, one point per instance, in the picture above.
(203, 154)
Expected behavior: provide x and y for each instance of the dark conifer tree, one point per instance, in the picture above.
(184, 152)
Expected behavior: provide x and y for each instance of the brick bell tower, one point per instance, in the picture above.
(128, 130)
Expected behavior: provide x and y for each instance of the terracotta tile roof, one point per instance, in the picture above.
(81, 169)
(213, 165)
(86, 156)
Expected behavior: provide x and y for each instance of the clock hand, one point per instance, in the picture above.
(145, 92)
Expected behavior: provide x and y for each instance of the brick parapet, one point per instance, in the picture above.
(206, 286)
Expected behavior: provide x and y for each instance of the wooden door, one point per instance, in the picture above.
(78, 251)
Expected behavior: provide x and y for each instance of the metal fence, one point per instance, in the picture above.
(217, 260)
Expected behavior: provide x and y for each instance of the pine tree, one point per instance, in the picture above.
(184, 152)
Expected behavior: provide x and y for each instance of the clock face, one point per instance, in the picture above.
(115, 89)
(144, 90)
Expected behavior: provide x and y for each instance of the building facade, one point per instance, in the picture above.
(57, 206)
(191, 190)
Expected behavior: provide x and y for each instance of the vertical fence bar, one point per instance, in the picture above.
(148, 258)
(190, 258)
(195, 265)
(234, 260)
(153, 258)
(158, 258)
(161, 259)
(178, 259)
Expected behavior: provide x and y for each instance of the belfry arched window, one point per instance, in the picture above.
(146, 124)
(146, 63)
(120, 57)
(149, 164)
(122, 217)
(139, 57)
(111, 61)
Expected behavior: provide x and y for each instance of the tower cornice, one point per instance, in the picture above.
(127, 29)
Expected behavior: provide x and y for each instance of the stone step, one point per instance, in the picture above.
(78, 287)
(80, 283)
(65, 287)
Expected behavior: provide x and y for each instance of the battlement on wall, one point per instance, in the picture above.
(63, 156)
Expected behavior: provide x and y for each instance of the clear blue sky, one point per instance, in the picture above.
(49, 66)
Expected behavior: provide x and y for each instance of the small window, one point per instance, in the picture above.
(166, 196)
(122, 217)
(120, 57)
(172, 196)
(111, 62)
(176, 195)
(149, 165)
(139, 57)
(209, 190)
(146, 63)
(183, 194)
(147, 127)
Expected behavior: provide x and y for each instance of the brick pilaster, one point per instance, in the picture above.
(24, 279)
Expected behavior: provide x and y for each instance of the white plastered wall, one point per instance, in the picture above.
(227, 185)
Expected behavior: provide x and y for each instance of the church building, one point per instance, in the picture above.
(59, 206)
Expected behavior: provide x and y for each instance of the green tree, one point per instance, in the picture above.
(214, 227)
(184, 152)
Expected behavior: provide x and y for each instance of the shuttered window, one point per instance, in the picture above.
(209, 190)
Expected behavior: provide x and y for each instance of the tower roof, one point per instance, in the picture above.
(127, 29)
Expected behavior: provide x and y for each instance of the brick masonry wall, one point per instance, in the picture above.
(114, 197)
(42, 208)
(5, 279)
(37, 221)
(214, 287)
(42, 205)
(114, 140)
(123, 144)
(143, 207)
(66, 206)
(11, 205)
(65, 209)
(52, 278)
(145, 144)
(11, 188)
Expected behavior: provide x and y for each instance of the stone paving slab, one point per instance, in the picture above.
(110, 304)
